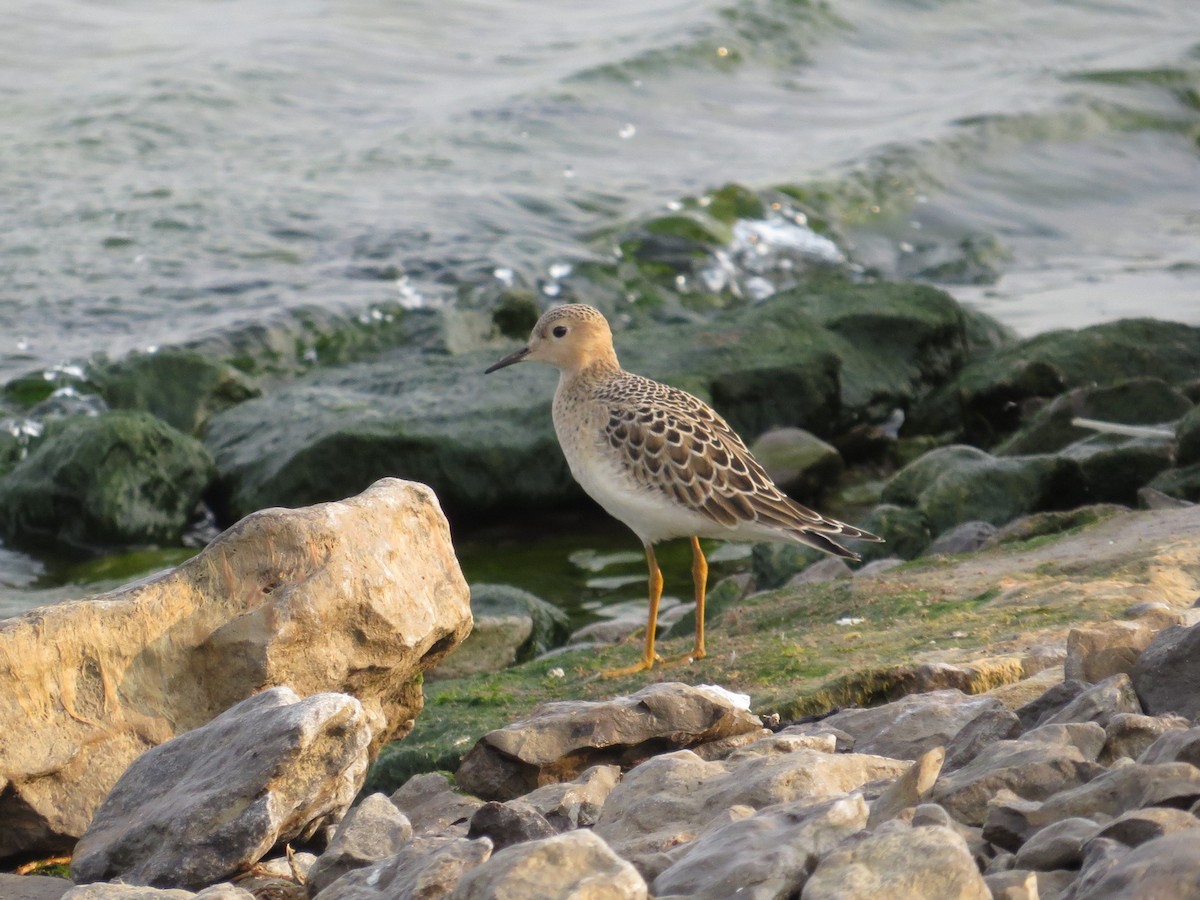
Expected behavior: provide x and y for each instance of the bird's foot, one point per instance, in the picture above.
(641, 665)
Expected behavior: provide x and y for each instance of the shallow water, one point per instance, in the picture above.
(169, 170)
(182, 167)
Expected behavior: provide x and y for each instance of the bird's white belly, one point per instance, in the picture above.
(650, 515)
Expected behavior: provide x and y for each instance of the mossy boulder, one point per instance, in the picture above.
(1114, 467)
(822, 359)
(904, 531)
(986, 400)
(1182, 482)
(798, 461)
(1135, 401)
(182, 387)
(1187, 438)
(118, 479)
(511, 626)
(962, 484)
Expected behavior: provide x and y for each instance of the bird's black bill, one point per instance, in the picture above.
(508, 360)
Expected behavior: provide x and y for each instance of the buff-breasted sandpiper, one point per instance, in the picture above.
(660, 460)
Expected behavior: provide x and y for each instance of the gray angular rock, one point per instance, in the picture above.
(931, 814)
(1087, 737)
(993, 724)
(33, 887)
(1099, 858)
(1057, 846)
(1099, 703)
(433, 806)
(1166, 867)
(1128, 735)
(878, 567)
(209, 803)
(1174, 745)
(668, 800)
(428, 868)
(509, 823)
(912, 725)
(577, 865)
(575, 804)
(831, 568)
(768, 855)
(559, 740)
(1167, 673)
(1010, 819)
(1049, 702)
(1137, 826)
(1034, 770)
(914, 864)
(910, 789)
(373, 830)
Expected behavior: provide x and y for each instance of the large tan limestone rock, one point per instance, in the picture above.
(358, 596)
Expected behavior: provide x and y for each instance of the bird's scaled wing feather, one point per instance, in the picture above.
(675, 444)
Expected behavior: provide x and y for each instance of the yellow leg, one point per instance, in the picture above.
(656, 589)
(700, 580)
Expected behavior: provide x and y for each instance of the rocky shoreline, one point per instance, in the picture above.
(1066, 769)
(998, 702)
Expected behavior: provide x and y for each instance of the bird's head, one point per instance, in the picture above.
(572, 337)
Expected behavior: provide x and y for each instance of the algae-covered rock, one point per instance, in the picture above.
(1041, 524)
(962, 484)
(985, 400)
(798, 461)
(116, 479)
(1187, 439)
(904, 531)
(907, 485)
(824, 358)
(182, 387)
(511, 626)
(1136, 401)
(1114, 467)
(773, 564)
(1182, 483)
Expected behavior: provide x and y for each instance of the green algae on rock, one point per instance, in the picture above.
(511, 626)
(118, 479)
(1134, 401)
(961, 484)
(984, 402)
(182, 387)
(823, 358)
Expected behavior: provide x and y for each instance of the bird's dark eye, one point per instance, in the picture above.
(560, 330)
